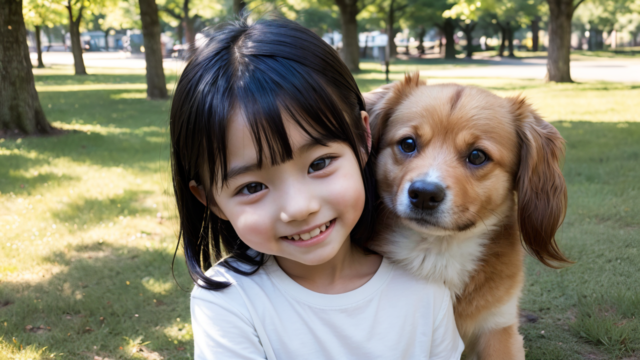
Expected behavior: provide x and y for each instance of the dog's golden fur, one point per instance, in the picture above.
(473, 242)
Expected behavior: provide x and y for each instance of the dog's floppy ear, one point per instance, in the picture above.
(382, 101)
(542, 193)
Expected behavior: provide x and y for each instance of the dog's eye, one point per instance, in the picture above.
(408, 145)
(477, 157)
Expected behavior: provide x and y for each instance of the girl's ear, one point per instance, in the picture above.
(200, 194)
(365, 120)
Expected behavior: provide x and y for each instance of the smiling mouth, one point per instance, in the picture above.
(310, 234)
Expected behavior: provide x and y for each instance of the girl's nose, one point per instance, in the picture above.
(299, 207)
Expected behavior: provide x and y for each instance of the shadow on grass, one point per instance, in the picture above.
(91, 212)
(16, 164)
(64, 79)
(127, 132)
(103, 301)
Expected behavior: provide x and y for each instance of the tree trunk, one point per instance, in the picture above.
(535, 33)
(156, 83)
(421, 33)
(180, 32)
(76, 46)
(558, 61)
(393, 51)
(188, 28)
(503, 40)
(19, 103)
(467, 29)
(106, 39)
(350, 48)
(449, 28)
(238, 6)
(596, 41)
(47, 32)
(510, 38)
(39, 47)
(366, 47)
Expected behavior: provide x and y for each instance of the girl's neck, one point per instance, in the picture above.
(348, 270)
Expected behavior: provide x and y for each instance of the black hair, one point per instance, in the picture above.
(261, 70)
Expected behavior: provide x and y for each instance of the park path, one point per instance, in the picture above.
(614, 70)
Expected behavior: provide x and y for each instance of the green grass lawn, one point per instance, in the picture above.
(88, 226)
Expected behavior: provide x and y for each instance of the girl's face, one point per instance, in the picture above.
(303, 209)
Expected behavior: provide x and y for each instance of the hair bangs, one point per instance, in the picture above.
(274, 90)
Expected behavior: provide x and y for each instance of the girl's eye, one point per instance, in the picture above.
(252, 188)
(319, 165)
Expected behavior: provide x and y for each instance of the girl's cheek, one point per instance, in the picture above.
(349, 193)
(255, 229)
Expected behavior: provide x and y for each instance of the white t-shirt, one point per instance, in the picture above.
(268, 315)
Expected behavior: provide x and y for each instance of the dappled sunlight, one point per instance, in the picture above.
(129, 95)
(90, 128)
(157, 286)
(180, 330)
(101, 290)
(89, 87)
(14, 350)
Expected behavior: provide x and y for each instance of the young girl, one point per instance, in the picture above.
(270, 143)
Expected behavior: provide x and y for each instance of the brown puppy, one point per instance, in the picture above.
(466, 177)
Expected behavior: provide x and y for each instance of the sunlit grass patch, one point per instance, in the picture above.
(129, 95)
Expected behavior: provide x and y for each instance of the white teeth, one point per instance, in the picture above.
(313, 233)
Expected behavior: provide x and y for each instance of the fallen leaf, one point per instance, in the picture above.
(87, 330)
(36, 330)
(147, 353)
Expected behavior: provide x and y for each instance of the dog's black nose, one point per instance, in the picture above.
(426, 195)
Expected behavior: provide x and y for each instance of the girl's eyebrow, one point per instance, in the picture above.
(243, 169)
